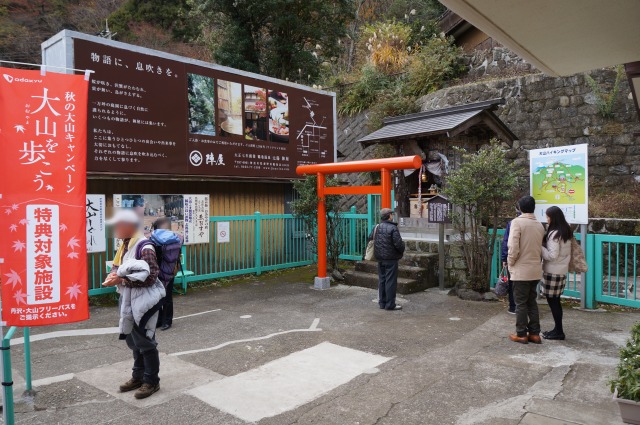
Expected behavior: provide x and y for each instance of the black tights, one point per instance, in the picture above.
(556, 311)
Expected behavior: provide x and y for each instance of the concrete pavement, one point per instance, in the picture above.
(271, 350)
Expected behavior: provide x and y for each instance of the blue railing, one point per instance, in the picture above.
(258, 243)
(614, 270)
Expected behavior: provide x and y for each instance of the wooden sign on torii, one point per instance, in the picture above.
(384, 166)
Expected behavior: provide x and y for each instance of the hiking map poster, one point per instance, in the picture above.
(43, 118)
(559, 176)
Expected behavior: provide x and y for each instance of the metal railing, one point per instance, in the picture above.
(614, 270)
(258, 243)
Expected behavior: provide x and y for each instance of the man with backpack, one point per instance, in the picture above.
(168, 247)
(135, 274)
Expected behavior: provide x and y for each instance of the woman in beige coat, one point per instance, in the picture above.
(556, 254)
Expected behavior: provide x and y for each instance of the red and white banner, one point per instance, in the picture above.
(43, 134)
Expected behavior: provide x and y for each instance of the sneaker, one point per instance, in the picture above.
(165, 327)
(146, 390)
(130, 385)
(511, 311)
(397, 307)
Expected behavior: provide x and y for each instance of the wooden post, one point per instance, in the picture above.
(441, 256)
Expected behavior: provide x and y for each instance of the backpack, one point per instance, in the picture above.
(168, 248)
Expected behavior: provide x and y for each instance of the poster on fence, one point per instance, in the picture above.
(189, 213)
(43, 266)
(96, 237)
(222, 232)
(559, 176)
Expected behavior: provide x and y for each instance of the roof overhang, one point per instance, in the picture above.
(559, 37)
(450, 121)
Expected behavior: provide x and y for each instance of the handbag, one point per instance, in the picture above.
(502, 284)
(369, 254)
(577, 262)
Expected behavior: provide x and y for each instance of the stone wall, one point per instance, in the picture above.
(350, 130)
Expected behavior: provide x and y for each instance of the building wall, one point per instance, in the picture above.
(226, 197)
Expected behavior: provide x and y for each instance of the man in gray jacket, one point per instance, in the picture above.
(388, 249)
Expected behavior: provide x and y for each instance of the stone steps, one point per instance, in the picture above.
(370, 280)
(404, 271)
(424, 260)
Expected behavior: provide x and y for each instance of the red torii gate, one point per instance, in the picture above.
(384, 165)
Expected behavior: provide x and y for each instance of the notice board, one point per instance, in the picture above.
(163, 114)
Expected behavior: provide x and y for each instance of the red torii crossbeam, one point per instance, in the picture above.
(384, 165)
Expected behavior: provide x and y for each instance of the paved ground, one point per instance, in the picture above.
(274, 351)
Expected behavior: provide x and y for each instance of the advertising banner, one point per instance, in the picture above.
(95, 215)
(189, 213)
(151, 114)
(559, 176)
(43, 197)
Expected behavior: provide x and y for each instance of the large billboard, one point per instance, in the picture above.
(154, 113)
(560, 176)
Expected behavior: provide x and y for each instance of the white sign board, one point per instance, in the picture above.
(196, 219)
(43, 234)
(95, 211)
(189, 213)
(222, 232)
(559, 176)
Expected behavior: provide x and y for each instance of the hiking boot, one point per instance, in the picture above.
(146, 390)
(535, 339)
(520, 339)
(130, 385)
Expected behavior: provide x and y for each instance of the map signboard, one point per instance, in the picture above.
(156, 113)
(559, 176)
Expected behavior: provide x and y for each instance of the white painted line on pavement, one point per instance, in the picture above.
(88, 332)
(52, 380)
(196, 314)
(72, 332)
(312, 328)
(288, 382)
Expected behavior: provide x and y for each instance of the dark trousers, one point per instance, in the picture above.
(512, 300)
(527, 315)
(166, 311)
(146, 360)
(387, 283)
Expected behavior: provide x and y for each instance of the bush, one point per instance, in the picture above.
(388, 45)
(478, 190)
(363, 93)
(437, 61)
(392, 102)
(628, 380)
(621, 203)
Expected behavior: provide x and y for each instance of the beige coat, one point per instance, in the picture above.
(525, 248)
(556, 255)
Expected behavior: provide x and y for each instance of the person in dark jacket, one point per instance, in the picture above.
(504, 254)
(388, 249)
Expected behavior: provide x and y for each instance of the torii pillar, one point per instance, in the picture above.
(384, 166)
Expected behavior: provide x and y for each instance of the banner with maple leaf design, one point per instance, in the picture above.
(43, 133)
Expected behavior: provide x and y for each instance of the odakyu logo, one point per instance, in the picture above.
(11, 79)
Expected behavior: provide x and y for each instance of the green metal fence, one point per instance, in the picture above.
(614, 270)
(258, 243)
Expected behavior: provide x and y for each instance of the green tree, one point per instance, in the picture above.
(478, 190)
(172, 15)
(306, 208)
(286, 39)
